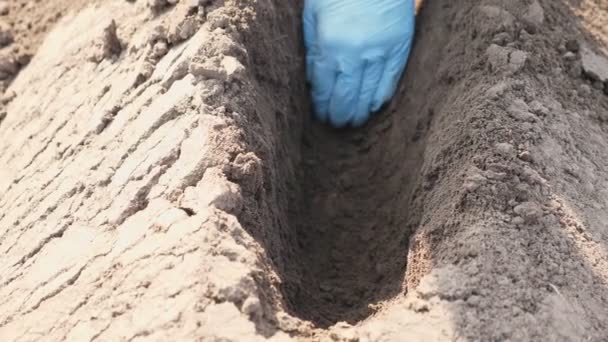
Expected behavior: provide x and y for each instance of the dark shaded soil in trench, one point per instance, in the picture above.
(355, 189)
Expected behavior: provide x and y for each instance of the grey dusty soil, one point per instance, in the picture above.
(162, 178)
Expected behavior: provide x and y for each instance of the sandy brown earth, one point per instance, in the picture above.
(23, 27)
(162, 179)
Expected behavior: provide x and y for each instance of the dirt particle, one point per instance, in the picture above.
(252, 307)
(232, 66)
(107, 45)
(588, 187)
(217, 19)
(572, 45)
(575, 69)
(247, 171)
(158, 5)
(343, 332)
(418, 305)
(529, 211)
(474, 181)
(526, 156)
(505, 58)
(500, 16)
(6, 34)
(159, 32)
(570, 56)
(159, 49)
(498, 90)
(538, 108)
(7, 97)
(145, 69)
(474, 300)
(224, 69)
(498, 56)
(213, 190)
(599, 85)
(502, 38)
(182, 29)
(534, 17)
(594, 65)
(505, 149)
(517, 60)
(518, 220)
(520, 110)
(8, 65)
(532, 177)
(584, 90)
(5, 8)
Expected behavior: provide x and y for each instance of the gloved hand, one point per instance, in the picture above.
(356, 53)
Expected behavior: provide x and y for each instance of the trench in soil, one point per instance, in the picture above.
(351, 215)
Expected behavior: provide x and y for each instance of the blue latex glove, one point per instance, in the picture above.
(356, 53)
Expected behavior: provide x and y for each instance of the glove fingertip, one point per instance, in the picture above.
(309, 69)
(321, 110)
(386, 88)
(376, 105)
(361, 120)
(380, 101)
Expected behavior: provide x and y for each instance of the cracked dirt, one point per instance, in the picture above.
(161, 178)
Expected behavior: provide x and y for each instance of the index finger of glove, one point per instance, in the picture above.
(344, 98)
(395, 65)
(323, 82)
(374, 69)
(309, 25)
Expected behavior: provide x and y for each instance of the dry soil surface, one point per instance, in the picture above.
(162, 179)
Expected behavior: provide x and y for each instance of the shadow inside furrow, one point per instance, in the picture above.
(351, 211)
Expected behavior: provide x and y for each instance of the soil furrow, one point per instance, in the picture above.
(355, 188)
